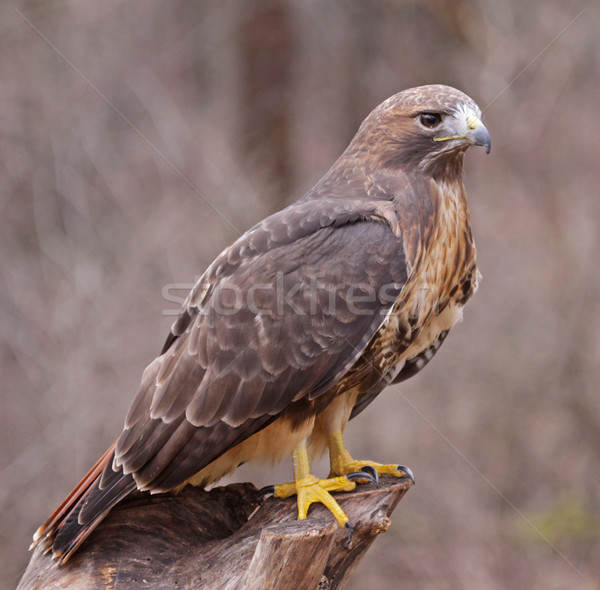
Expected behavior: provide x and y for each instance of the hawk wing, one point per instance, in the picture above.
(279, 317)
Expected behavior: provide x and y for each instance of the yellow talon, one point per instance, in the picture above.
(311, 489)
(382, 469)
(342, 462)
(284, 490)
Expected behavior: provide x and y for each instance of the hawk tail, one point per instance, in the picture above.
(82, 510)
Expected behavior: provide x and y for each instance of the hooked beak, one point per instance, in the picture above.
(479, 135)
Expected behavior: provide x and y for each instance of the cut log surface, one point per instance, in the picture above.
(225, 538)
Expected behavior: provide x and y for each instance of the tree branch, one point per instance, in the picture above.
(225, 538)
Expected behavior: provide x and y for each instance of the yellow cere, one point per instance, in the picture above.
(473, 122)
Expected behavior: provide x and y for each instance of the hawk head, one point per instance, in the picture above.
(427, 127)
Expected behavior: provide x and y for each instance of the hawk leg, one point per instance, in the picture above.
(342, 462)
(311, 489)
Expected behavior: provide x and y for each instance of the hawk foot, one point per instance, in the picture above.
(342, 462)
(310, 489)
(379, 468)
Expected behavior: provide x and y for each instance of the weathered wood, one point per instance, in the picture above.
(227, 538)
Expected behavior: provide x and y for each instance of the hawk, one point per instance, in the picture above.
(297, 326)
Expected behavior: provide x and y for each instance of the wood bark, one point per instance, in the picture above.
(226, 538)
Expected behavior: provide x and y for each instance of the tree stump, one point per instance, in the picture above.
(225, 538)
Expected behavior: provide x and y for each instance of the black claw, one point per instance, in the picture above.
(408, 472)
(346, 544)
(373, 472)
(266, 491)
(372, 475)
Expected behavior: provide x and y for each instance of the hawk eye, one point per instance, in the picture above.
(430, 120)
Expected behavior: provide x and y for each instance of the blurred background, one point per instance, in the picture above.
(139, 138)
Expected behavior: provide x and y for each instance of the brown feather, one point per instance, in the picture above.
(49, 527)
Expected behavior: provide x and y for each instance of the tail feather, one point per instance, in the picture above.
(49, 527)
(74, 530)
(64, 531)
(106, 488)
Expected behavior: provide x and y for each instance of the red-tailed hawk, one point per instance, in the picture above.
(297, 326)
